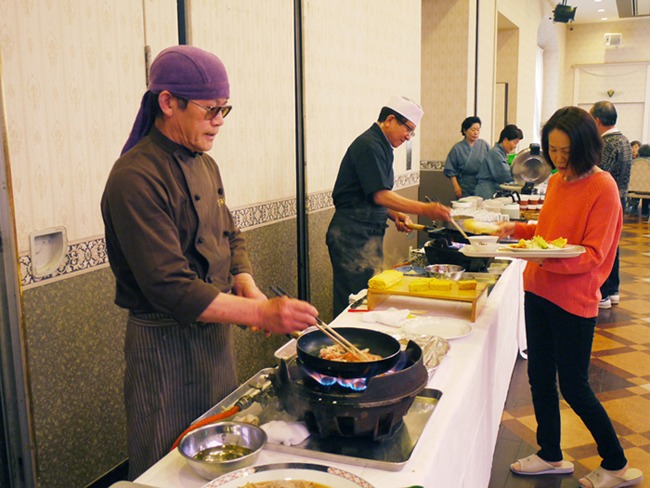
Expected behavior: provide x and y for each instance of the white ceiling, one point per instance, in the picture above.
(588, 11)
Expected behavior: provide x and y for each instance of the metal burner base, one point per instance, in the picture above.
(375, 412)
(392, 454)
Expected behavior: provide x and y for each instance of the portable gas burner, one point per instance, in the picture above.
(351, 407)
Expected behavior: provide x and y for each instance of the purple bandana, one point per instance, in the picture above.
(185, 71)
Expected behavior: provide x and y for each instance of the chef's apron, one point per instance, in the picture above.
(357, 254)
(173, 375)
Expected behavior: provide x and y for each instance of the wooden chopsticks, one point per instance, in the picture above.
(329, 331)
(460, 229)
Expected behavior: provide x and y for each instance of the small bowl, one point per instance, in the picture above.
(458, 204)
(235, 434)
(484, 243)
(492, 205)
(445, 271)
(474, 200)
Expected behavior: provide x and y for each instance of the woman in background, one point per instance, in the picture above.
(633, 203)
(495, 169)
(466, 157)
(562, 296)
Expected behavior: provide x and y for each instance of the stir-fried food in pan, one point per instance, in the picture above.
(336, 352)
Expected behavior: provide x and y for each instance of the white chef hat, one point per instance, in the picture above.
(407, 108)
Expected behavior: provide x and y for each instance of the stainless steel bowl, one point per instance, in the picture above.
(445, 271)
(210, 441)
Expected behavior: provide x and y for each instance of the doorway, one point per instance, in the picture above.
(16, 462)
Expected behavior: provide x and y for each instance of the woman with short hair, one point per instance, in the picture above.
(495, 169)
(466, 157)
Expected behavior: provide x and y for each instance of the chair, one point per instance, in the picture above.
(640, 181)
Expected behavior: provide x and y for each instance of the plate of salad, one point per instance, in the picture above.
(537, 247)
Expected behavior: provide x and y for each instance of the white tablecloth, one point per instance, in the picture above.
(457, 444)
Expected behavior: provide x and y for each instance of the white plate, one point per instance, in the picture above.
(568, 247)
(446, 328)
(315, 473)
(569, 251)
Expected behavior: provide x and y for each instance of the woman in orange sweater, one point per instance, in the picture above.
(562, 296)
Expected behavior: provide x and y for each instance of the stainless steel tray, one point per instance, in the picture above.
(390, 454)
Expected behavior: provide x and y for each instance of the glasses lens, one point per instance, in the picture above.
(411, 132)
(212, 112)
(408, 127)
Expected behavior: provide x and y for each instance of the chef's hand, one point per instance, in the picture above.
(277, 315)
(505, 229)
(402, 221)
(284, 315)
(244, 286)
(437, 211)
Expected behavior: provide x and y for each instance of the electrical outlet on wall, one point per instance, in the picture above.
(47, 250)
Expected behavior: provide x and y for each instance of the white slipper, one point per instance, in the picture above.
(534, 465)
(603, 478)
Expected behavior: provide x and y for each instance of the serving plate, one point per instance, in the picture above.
(569, 251)
(447, 328)
(565, 249)
(316, 473)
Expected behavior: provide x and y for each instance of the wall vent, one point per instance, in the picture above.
(612, 39)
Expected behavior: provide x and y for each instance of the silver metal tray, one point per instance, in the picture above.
(390, 454)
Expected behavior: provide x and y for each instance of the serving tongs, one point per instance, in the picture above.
(329, 331)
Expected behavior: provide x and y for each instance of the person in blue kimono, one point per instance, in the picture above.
(495, 170)
(465, 158)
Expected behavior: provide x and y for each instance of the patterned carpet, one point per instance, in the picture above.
(620, 375)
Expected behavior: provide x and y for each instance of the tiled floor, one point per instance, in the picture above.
(620, 375)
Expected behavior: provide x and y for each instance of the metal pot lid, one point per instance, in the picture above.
(530, 166)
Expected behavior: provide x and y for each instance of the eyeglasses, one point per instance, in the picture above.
(411, 131)
(212, 112)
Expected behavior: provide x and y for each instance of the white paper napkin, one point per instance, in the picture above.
(393, 316)
(287, 433)
(353, 297)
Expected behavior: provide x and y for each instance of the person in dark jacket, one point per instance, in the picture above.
(180, 262)
(617, 160)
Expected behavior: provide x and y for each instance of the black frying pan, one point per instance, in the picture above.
(309, 345)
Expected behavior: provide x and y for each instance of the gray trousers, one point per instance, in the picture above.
(173, 375)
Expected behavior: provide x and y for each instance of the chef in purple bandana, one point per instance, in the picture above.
(180, 263)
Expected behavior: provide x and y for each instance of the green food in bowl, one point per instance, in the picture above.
(218, 448)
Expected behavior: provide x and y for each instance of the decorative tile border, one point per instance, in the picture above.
(91, 254)
(429, 164)
(80, 257)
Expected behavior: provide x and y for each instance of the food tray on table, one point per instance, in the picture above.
(568, 251)
(475, 297)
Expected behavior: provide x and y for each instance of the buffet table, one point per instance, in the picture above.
(457, 444)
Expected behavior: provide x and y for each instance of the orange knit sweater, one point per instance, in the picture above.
(586, 212)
